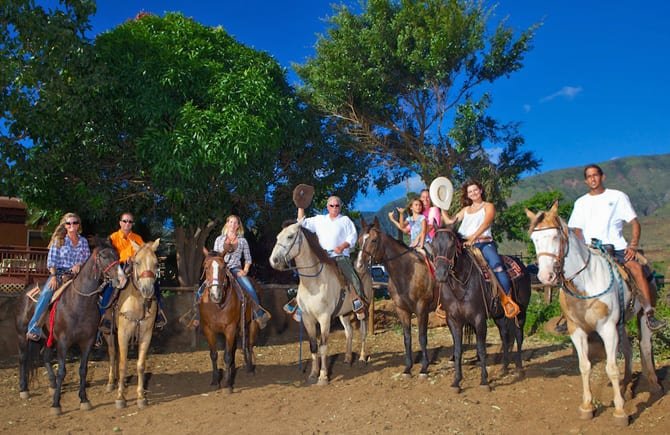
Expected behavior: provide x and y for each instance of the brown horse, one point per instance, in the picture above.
(134, 315)
(411, 285)
(225, 309)
(74, 320)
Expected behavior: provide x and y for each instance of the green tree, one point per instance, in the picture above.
(405, 80)
(513, 222)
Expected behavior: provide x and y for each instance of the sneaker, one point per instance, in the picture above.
(653, 323)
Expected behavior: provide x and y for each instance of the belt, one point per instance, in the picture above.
(484, 239)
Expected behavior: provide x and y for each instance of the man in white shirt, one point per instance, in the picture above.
(601, 214)
(337, 235)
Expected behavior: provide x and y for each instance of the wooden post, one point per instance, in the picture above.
(547, 294)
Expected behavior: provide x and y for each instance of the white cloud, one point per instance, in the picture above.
(567, 92)
(526, 108)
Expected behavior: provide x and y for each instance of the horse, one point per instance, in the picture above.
(468, 301)
(135, 313)
(225, 309)
(321, 295)
(411, 285)
(74, 319)
(594, 298)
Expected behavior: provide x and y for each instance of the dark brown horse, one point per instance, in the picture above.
(467, 299)
(411, 285)
(75, 321)
(225, 309)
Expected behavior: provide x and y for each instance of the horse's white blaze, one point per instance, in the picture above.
(359, 260)
(547, 241)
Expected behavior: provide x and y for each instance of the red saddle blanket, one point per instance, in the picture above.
(511, 267)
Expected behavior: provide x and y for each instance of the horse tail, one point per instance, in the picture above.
(34, 359)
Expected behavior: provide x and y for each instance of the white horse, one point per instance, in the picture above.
(322, 294)
(594, 298)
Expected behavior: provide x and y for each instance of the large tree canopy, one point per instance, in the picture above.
(403, 80)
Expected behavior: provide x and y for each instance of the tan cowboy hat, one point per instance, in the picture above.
(302, 195)
(441, 192)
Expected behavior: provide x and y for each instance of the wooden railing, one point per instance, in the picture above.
(19, 265)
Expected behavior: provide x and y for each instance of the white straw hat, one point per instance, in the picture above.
(441, 192)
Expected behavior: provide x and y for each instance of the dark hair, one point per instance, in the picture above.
(465, 201)
(596, 167)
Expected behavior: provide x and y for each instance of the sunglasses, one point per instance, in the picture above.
(72, 223)
(126, 221)
(334, 205)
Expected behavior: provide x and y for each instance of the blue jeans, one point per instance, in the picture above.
(40, 308)
(245, 283)
(490, 253)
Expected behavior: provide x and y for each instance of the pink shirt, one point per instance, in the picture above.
(434, 218)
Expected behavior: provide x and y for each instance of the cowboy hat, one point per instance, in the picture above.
(302, 195)
(441, 192)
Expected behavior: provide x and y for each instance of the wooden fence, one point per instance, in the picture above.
(20, 265)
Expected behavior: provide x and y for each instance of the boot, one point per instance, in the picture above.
(262, 318)
(511, 308)
(652, 322)
(359, 308)
(161, 319)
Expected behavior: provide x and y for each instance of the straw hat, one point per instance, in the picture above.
(441, 192)
(302, 195)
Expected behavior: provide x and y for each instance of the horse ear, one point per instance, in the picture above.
(155, 244)
(530, 215)
(205, 251)
(364, 225)
(376, 222)
(136, 246)
(554, 207)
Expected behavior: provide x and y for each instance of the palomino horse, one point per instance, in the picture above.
(135, 313)
(321, 294)
(225, 309)
(468, 300)
(594, 298)
(411, 285)
(73, 320)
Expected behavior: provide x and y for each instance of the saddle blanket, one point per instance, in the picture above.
(513, 270)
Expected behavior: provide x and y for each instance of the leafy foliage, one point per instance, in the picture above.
(404, 80)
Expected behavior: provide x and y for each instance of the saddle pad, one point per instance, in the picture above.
(511, 267)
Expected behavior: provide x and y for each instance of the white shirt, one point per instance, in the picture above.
(472, 222)
(603, 216)
(332, 232)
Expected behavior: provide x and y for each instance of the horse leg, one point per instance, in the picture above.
(24, 356)
(229, 356)
(610, 338)
(363, 356)
(210, 336)
(324, 323)
(456, 330)
(503, 328)
(84, 403)
(251, 330)
(406, 321)
(518, 334)
(349, 334)
(113, 375)
(125, 330)
(146, 330)
(310, 327)
(55, 405)
(480, 330)
(580, 341)
(47, 356)
(647, 356)
(627, 350)
(422, 320)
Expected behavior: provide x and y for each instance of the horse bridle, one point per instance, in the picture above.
(287, 261)
(97, 266)
(382, 259)
(563, 250)
(145, 274)
(451, 262)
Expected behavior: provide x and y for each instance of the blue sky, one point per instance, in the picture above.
(594, 87)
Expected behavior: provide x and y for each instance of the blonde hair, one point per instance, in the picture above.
(240, 228)
(58, 236)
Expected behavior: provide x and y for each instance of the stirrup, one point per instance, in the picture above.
(290, 307)
(511, 309)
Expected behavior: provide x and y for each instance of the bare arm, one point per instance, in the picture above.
(448, 220)
(632, 247)
(301, 213)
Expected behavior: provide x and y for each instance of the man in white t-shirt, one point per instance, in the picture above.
(601, 214)
(337, 235)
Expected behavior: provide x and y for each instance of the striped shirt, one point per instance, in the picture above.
(68, 255)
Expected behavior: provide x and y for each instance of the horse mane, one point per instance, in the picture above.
(315, 246)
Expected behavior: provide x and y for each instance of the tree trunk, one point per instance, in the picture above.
(189, 243)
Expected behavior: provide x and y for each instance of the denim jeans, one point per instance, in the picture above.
(246, 284)
(490, 253)
(40, 307)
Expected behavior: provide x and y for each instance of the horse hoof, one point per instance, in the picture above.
(55, 410)
(24, 395)
(407, 376)
(423, 376)
(229, 390)
(85, 406)
(322, 382)
(120, 404)
(142, 403)
(485, 387)
(621, 420)
(312, 380)
(456, 389)
(520, 374)
(109, 388)
(585, 414)
(362, 363)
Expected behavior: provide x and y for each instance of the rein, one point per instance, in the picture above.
(105, 281)
(296, 268)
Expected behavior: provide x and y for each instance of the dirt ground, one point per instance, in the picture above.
(372, 399)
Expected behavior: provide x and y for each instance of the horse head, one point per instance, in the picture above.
(287, 247)
(106, 261)
(216, 273)
(145, 267)
(446, 247)
(370, 242)
(550, 237)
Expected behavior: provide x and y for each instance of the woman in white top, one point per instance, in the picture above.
(476, 218)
